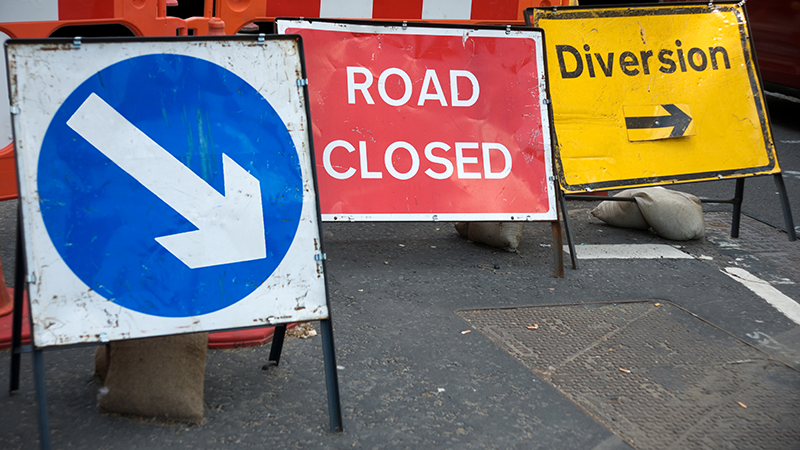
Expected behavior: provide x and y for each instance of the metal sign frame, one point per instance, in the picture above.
(537, 16)
(676, 113)
(274, 64)
(46, 123)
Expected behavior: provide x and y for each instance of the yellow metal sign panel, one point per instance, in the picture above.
(654, 95)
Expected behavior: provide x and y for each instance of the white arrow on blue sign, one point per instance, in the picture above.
(156, 170)
(230, 227)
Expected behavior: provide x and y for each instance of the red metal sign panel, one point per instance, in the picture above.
(428, 123)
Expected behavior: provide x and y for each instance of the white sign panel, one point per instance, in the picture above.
(166, 187)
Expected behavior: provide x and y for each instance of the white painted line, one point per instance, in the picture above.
(774, 297)
(628, 251)
(785, 97)
(353, 9)
(447, 9)
(30, 11)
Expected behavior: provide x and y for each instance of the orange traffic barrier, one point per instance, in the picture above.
(237, 13)
(138, 16)
(8, 174)
(6, 305)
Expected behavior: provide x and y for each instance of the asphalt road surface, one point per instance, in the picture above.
(443, 343)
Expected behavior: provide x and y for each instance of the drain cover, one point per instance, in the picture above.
(653, 374)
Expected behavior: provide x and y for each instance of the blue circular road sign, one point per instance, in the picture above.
(110, 210)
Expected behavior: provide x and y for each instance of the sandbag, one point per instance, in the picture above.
(462, 228)
(672, 214)
(505, 235)
(621, 213)
(158, 377)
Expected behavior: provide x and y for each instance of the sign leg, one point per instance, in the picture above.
(563, 205)
(737, 207)
(41, 400)
(331, 375)
(558, 251)
(277, 345)
(787, 211)
(16, 319)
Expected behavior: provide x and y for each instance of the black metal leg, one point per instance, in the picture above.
(277, 345)
(737, 207)
(41, 400)
(787, 211)
(570, 243)
(331, 376)
(558, 249)
(16, 319)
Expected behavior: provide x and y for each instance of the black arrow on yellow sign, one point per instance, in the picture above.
(677, 119)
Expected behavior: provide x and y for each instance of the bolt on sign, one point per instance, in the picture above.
(166, 186)
(657, 94)
(416, 122)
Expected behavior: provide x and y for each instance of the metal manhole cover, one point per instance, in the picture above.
(653, 374)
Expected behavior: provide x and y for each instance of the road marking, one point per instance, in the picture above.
(629, 251)
(788, 306)
(230, 227)
(782, 96)
(774, 297)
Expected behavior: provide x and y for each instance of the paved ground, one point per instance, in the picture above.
(418, 369)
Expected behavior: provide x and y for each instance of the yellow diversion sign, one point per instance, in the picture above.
(654, 95)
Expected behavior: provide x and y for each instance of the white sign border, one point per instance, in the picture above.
(66, 311)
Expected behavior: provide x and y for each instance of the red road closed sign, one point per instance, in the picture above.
(428, 123)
